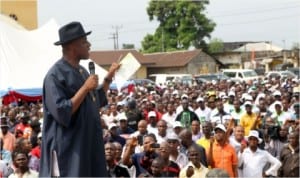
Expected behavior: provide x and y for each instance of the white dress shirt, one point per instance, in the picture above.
(182, 160)
(203, 115)
(254, 162)
(170, 119)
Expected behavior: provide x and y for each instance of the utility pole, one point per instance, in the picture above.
(114, 38)
(117, 35)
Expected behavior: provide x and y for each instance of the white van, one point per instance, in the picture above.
(165, 78)
(241, 74)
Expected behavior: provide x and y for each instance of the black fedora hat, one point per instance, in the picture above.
(71, 31)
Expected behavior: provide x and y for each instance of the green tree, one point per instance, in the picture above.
(215, 45)
(182, 24)
(128, 46)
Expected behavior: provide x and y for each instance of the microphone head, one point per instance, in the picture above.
(92, 67)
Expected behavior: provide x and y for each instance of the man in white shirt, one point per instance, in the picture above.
(152, 123)
(180, 158)
(161, 135)
(221, 116)
(229, 106)
(277, 96)
(252, 159)
(170, 117)
(279, 116)
(202, 111)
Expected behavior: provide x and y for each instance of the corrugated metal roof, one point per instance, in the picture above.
(172, 59)
(103, 58)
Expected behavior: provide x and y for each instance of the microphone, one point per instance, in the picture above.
(92, 72)
(92, 68)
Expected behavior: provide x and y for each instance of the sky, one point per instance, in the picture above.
(277, 21)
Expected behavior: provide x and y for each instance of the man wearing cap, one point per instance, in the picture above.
(277, 96)
(150, 107)
(8, 138)
(177, 127)
(221, 154)
(186, 116)
(113, 136)
(123, 130)
(229, 106)
(253, 159)
(180, 158)
(180, 108)
(202, 111)
(72, 99)
(249, 120)
(280, 117)
(152, 126)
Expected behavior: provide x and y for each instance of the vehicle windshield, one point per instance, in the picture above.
(250, 74)
(287, 74)
(213, 77)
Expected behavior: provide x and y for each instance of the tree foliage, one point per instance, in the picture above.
(128, 46)
(182, 24)
(215, 45)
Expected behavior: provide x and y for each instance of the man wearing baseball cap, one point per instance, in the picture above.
(249, 120)
(221, 154)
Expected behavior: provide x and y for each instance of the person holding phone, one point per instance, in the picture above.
(142, 161)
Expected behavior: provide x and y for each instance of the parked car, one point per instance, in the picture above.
(127, 87)
(284, 66)
(295, 70)
(241, 75)
(150, 84)
(176, 78)
(282, 74)
(210, 77)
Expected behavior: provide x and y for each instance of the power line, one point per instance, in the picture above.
(256, 11)
(115, 36)
(257, 8)
(239, 12)
(256, 21)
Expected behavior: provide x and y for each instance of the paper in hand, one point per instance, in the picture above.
(129, 65)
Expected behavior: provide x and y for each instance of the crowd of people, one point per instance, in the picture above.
(248, 129)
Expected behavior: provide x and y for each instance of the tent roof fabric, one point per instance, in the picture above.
(26, 56)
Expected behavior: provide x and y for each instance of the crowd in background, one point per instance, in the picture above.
(225, 128)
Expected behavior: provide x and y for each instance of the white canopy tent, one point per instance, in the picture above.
(26, 56)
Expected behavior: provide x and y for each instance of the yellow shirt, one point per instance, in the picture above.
(198, 173)
(247, 121)
(203, 142)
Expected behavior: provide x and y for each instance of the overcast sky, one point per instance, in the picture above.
(237, 20)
